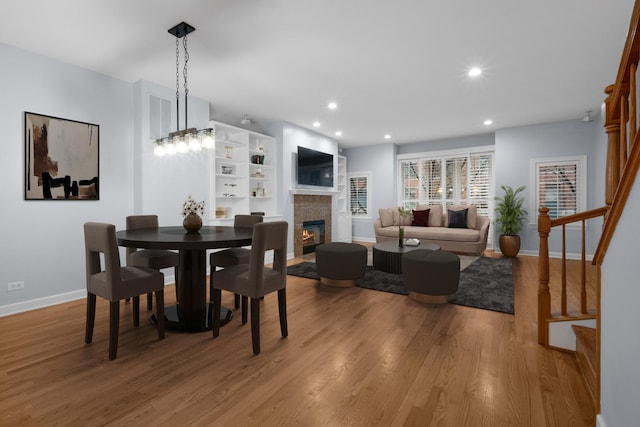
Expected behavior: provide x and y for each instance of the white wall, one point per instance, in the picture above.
(620, 345)
(515, 147)
(380, 161)
(43, 243)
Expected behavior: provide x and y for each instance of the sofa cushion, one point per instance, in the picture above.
(421, 218)
(433, 233)
(471, 214)
(386, 216)
(435, 214)
(457, 219)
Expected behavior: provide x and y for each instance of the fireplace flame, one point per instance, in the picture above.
(308, 236)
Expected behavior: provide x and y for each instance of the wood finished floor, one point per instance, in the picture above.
(353, 357)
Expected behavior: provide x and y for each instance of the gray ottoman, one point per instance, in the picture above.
(431, 276)
(340, 264)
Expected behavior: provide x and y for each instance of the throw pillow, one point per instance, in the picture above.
(386, 216)
(471, 214)
(435, 216)
(421, 218)
(457, 219)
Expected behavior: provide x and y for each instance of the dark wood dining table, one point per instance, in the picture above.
(192, 313)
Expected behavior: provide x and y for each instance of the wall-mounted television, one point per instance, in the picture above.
(315, 168)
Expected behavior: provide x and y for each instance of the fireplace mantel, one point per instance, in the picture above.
(313, 192)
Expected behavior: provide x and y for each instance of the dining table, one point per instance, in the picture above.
(192, 313)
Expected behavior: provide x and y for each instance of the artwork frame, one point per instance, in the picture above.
(227, 169)
(61, 158)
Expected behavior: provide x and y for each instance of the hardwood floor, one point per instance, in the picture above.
(353, 357)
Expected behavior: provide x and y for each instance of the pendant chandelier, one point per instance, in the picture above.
(188, 139)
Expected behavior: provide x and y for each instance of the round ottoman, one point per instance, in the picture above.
(431, 276)
(340, 264)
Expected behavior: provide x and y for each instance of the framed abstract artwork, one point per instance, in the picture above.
(61, 159)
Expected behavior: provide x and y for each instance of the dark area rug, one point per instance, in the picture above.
(487, 283)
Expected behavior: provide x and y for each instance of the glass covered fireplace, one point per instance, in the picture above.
(312, 235)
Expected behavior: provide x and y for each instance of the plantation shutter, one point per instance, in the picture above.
(558, 188)
(358, 189)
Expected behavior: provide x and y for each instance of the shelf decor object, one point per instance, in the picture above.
(188, 139)
(61, 159)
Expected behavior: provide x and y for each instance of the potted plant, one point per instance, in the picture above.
(404, 213)
(509, 216)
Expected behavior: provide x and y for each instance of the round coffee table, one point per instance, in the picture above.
(387, 256)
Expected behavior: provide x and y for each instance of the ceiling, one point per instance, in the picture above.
(393, 67)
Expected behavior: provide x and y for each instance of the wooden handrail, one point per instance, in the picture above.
(619, 200)
(545, 224)
(593, 213)
(630, 56)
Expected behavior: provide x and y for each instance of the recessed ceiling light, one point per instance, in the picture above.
(316, 124)
(338, 133)
(488, 122)
(332, 106)
(387, 136)
(474, 72)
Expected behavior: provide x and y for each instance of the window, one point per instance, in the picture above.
(359, 194)
(448, 178)
(560, 185)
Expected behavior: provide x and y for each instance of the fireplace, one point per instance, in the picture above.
(312, 235)
(308, 208)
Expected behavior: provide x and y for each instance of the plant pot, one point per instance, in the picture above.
(509, 245)
(192, 223)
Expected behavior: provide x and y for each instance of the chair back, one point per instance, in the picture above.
(246, 221)
(100, 238)
(136, 222)
(269, 236)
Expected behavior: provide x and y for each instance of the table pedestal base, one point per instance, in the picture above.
(172, 320)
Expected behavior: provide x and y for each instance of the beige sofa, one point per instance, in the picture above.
(469, 236)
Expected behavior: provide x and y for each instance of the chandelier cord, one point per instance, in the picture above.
(184, 72)
(177, 84)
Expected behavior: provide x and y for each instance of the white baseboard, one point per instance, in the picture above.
(20, 307)
(363, 239)
(578, 257)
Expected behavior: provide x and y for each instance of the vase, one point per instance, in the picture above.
(509, 245)
(400, 237)
(192, 223)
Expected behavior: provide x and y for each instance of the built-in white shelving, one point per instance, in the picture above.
(243, 167)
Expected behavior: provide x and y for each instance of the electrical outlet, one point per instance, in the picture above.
(14, 286)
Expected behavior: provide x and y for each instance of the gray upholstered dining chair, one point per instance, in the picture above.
(233, 256)
(255, 280)
(156, 259)
(114, 282)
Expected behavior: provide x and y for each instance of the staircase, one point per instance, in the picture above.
(622, 118)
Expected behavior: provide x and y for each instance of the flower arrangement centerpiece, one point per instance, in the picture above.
(191, 211)
(404, 214)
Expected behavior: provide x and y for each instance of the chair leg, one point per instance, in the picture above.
(236, 301)
(255, 325)
(160, 313)
(114, 323)
(150, 301)
(136, 311)
(217, 297)
(282, 309)
(91, 317)
(244, 310)
(175, 274)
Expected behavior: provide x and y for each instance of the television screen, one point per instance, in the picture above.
(315, 168)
